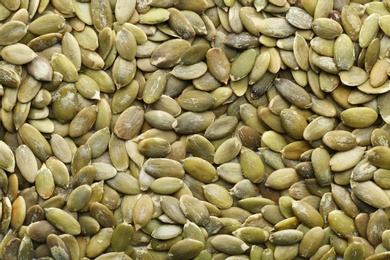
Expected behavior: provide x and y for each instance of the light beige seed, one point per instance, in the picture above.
(299, 18)
(104, 171)
(166, 231)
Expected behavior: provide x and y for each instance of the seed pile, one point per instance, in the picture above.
(183, 129)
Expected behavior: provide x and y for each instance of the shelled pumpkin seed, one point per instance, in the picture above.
(179, 129)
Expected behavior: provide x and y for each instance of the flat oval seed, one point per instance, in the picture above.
(327, 28)
(200, 169)
(185, 249)
(227, 150)
(166, 185)
(251, 165)
(368, 30)
(340, 140)
(307, 214)
(358, 117)
(286, 237)
(129, 122)
(171, 207)
(376, 156)
(49, 23)
(99, 242)
(342, 224)
(354, 155)
(243, 65)
(35, 141)
(282, 178)
(192, 122)
(168, 54)
(18, 54)
(26, 162)
(344, 53)
(293, 93)
(275, 27)
(101, 14)
(218, 196)
(79, 197)
(12, 32)
(194, 210)
(64, 65)
(351, 22)
(218, 64)
(165, 232)
(299, 18)
(229, 244)
(83, 121)
(154, 147)
(196, 100)
(63, 221)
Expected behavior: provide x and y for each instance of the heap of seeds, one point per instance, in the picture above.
(195, 129)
